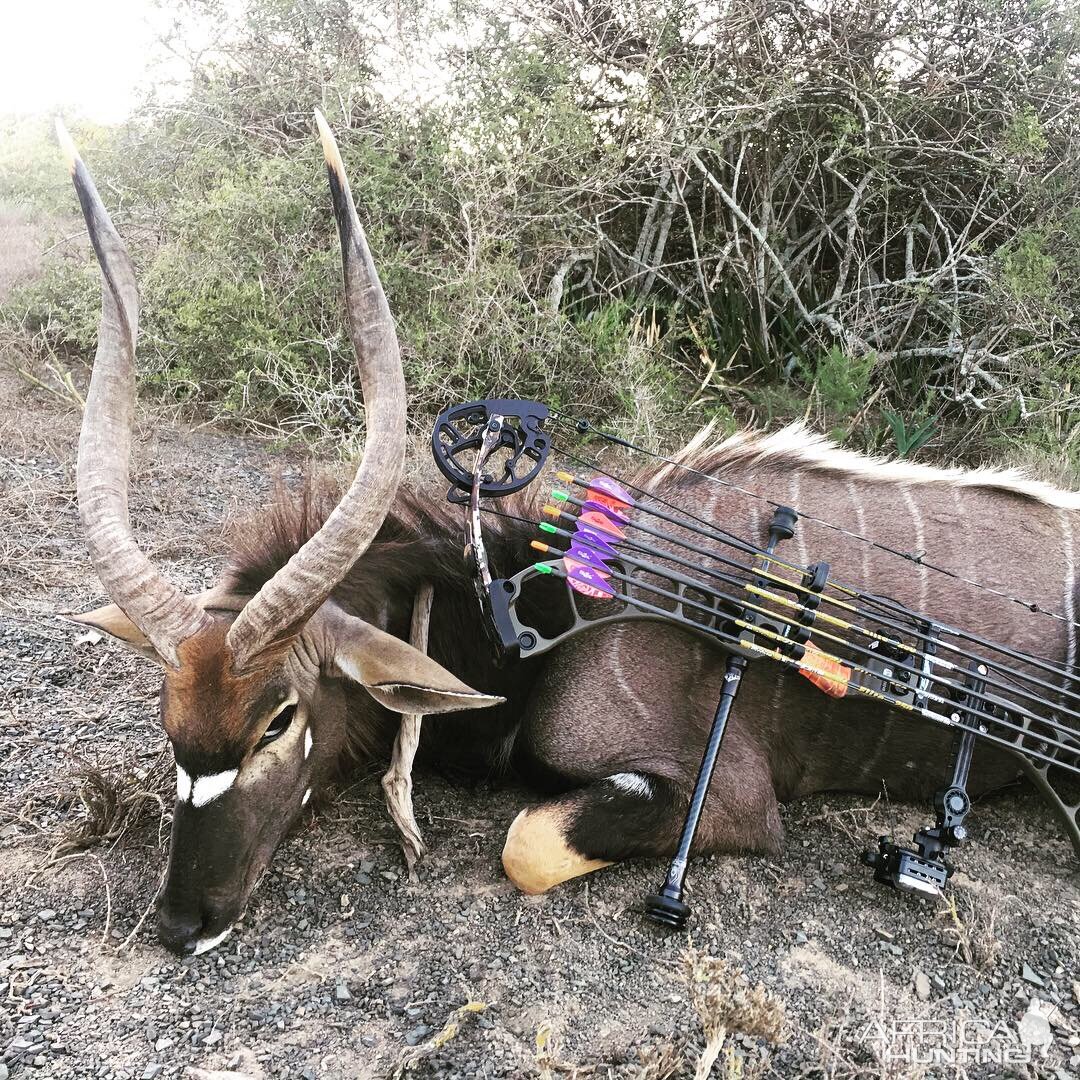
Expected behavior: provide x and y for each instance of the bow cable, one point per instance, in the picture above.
(855, 667)
(857, 688)
(786, 583)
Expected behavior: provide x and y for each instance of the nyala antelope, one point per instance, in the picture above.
(294, 667)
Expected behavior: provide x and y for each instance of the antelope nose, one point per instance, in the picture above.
(179, 931)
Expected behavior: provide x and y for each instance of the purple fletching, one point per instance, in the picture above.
(596, 540)
(607, 486)
(588, 577)
(586, 555)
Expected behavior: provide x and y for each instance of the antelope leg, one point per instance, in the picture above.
(397, 782)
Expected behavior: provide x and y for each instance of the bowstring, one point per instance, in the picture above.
(585, 427)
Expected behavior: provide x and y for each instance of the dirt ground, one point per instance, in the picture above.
(341, 968)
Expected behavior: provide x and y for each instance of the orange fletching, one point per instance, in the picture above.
(828, 674)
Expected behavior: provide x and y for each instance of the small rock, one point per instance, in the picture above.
(922, 985)
(152, 1070)
(418, 1034)
(1030, 975)
(800, 938)
(191, 1073)
(341, 993)
(1034, 1029)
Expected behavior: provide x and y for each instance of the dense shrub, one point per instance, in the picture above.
(621, 207)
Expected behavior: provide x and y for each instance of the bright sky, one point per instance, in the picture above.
(86, 54)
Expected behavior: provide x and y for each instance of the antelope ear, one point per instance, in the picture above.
(112, 621)
(395, 674)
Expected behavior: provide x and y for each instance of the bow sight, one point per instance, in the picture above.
(628, 554)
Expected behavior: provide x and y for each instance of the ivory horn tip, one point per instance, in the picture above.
(67, 145)
(330, 146)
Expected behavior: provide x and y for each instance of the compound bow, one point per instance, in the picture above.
(626, 553)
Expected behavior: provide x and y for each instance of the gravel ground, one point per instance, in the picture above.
(341, 968)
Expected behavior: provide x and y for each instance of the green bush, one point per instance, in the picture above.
(620, 214)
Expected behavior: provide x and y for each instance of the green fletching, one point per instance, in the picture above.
(546, 526)
(560, 495)
(541, 568)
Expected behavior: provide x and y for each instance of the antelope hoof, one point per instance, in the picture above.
(537, 856)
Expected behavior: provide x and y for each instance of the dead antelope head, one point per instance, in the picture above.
(253, 699)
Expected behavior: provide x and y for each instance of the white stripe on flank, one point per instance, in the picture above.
(212, 942)
(632, 783)
(307, 795)
(183, 785)
(207, 788)
(800, 539)
(920, 545)
(308, 740)
(860, 518)
(1070, 591)
(625, 685)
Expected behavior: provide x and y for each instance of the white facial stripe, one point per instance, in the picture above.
(307, 795)
(308, 741)
(183, 785)
(207, 788)
(212, 942)
(292, 699)
(633, 784)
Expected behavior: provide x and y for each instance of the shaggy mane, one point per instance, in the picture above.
(421, 524)
(798, 446)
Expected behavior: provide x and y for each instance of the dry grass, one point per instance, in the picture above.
(411, 1059)
(111, 802)
(839, 1061)
(99, 804)
(856, 823)
(854, 1043)
(726, 1003)
(970, 929)
(664, 1062)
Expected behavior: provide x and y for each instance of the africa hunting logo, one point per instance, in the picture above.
(956, 1041)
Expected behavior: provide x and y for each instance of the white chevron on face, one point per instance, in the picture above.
(183, 785)
(207, 788)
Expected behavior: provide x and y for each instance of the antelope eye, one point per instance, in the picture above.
(279, 725)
